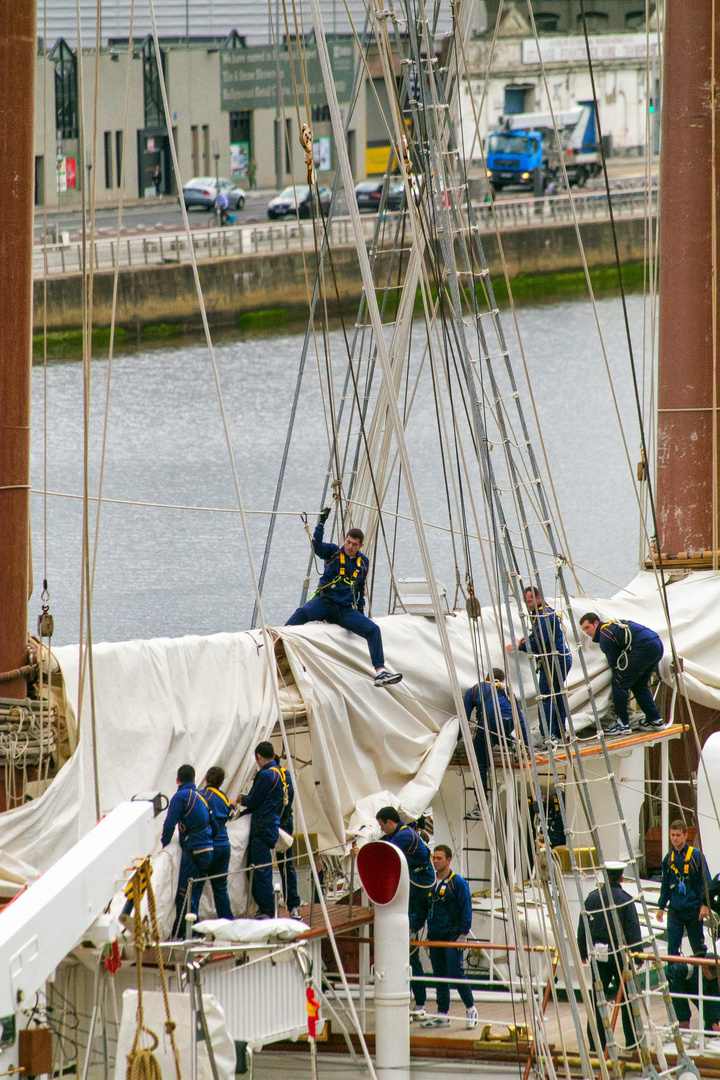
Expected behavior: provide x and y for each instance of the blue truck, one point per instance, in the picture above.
(524, 152)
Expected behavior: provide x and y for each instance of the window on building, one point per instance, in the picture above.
(518, 99)
(118, 157)
(288, 144)
(152, 92)
(546, 22)
(320, 113)
(635, 20)
(107, 141)
(195, 150)
(596, 21)
(206, 149)
(66, 90)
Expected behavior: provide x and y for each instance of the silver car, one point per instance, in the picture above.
(202, 192)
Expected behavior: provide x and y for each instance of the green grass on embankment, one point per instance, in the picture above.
(526, 289)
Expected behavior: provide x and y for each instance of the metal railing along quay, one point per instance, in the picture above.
(163, 247)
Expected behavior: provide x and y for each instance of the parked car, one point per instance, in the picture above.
(369, 193)
(297, 200)
(201, 191)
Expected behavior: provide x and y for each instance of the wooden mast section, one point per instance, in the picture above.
(687, 469)
(18, 46)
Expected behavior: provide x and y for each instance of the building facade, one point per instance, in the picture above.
(506, 74)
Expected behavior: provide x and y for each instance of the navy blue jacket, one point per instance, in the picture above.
(480, 697)
(286, 817)
(265, 803)
(602, 921)
(546, 636)
(614, 640)
(450, 912)
(683, 880)
(343, 579)
(220, 809)
(416, 852)
(188, 810)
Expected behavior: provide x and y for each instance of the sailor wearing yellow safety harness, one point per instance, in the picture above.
(340, 597)
(685, 880)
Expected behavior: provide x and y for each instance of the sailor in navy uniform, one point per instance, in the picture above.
(265, 801)
(449, 919)
(684, 890)
(220, 808)
(491, 704)
(604, 937)
(554, 660)
(422, 877)
(285, 860)
(189, 811)
(340, 596)
(633, 652)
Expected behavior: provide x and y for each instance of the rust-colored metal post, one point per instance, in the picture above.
(686, 340)
(18, 45)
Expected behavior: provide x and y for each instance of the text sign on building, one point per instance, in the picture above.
(249, 77)
(602, 47)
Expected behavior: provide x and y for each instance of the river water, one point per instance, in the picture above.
(169, 572)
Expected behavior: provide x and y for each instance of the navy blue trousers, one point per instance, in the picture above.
(260, 857)
(219, 865)
(448, 964)
(195, 865)
(286, 866)
(610, 976)
(483, 752)
(551, 693)
(417, 916)
(321, 610)
(635, 679)
(680, 921)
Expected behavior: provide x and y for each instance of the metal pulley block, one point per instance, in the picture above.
(45, 624)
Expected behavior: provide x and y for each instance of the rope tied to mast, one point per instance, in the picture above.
(306, 141)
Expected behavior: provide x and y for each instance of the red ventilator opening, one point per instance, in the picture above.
(379, 866)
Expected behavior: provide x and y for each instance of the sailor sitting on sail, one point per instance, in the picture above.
(490, 701)
(633, 652)
(340, 597)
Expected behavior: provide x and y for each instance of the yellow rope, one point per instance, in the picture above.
(142, 1063)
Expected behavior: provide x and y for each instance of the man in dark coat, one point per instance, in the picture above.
(604, 938)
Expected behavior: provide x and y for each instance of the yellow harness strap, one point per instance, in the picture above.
(283, 778)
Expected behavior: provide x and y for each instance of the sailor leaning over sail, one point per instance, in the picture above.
(493, 712)
(265, 801)
(633, 652)
(189, 811)
(546, 642)
(340, 596)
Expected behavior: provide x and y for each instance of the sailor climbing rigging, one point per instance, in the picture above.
(547, 643)
(633, 652)
(340, 596)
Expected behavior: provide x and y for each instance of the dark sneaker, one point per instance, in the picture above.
(651, 725)
(618, 728)
(387, 678)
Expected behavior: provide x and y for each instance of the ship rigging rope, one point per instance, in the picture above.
(85, 636)
(714, 242)
(657, 565)
(658, 562)
(269, 652)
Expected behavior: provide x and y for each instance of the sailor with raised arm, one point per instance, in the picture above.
(633, 652)
(554, 660)
(340, 597)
